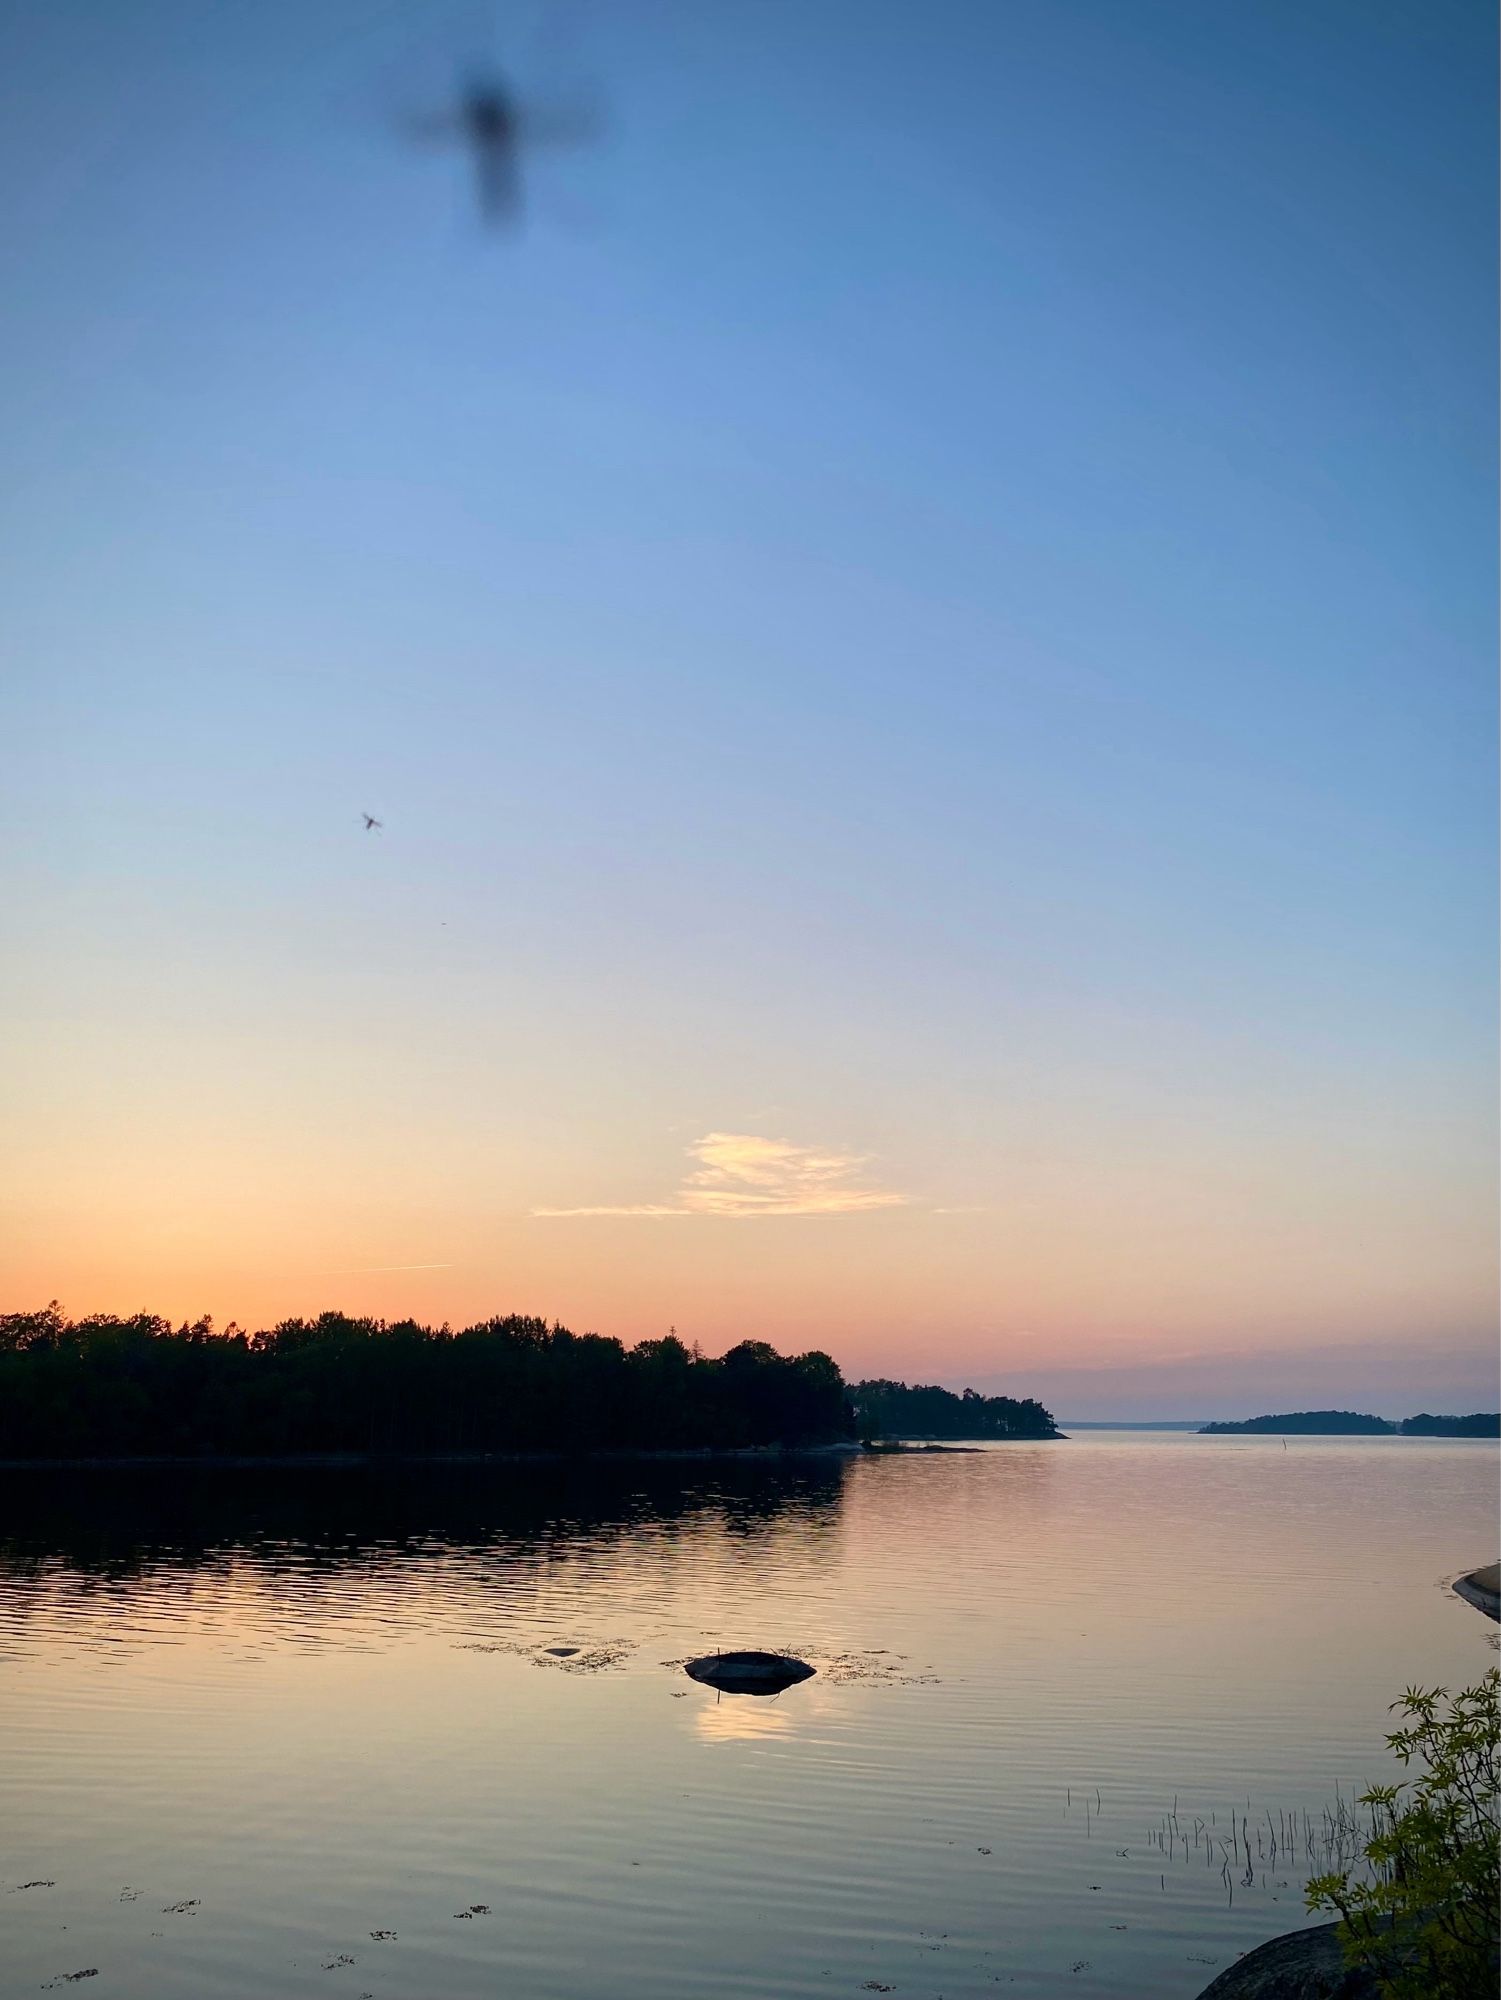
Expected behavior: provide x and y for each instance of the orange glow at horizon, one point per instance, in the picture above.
(1093, 1274)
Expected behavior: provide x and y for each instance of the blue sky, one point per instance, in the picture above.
(935, 606)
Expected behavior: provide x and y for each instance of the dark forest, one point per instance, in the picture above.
(111, 1387)
(897, 1410)
(108, 1387)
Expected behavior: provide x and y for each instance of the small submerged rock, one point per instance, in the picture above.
(749, 1673)
(590, 1658)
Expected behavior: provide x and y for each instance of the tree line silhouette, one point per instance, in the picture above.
(1352, 1423)
(896, 1410)
(138, 1387)
(110, 1387)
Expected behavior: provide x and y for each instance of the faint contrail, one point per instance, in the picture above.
(367, 1270)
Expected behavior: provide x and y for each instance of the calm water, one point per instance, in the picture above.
(248, 1720)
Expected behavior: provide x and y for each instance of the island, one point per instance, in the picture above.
(1351, 1423)
(103, 1389)
(1319, 1423)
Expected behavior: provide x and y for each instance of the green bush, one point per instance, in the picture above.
(1426, 1922)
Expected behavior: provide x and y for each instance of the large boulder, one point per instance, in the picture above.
(749, 1673)
(1304, 1965)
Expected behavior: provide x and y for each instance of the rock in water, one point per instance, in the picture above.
(749, 1673)
(1482, 1588)
(1304, 1965)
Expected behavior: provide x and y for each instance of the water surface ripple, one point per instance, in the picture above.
(299, 1733)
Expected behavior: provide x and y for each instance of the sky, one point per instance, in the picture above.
(921, 635)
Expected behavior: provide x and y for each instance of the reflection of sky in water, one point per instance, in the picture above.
(322, 1706)
(742, 1719)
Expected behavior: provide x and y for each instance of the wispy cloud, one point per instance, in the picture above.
(741, 1174)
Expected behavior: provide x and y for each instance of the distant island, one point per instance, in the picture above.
(895, 1410)
(334, 1386)
(1350, 1423)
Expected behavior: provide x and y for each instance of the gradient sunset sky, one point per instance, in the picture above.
(922, 638)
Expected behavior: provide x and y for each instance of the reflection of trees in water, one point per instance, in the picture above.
(391, 1543)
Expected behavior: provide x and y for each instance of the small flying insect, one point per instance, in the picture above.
(496, 127)
(372, 825)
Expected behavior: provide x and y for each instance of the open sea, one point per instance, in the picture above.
(301, 1733)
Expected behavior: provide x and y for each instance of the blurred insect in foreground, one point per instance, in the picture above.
(497, 127)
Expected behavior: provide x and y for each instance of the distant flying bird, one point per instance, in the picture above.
(493, 124)
(372, 825)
